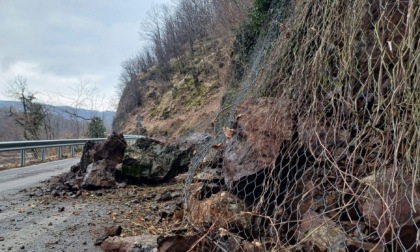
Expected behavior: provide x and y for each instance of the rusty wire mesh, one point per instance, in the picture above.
(319, 151)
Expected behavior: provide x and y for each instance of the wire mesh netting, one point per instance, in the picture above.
(319, 150)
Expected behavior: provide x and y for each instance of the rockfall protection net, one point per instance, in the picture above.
(321, 149)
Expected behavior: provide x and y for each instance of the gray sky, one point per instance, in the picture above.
(57, 44)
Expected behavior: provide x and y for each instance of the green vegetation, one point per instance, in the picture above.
(96, 128)
(248, 35)
(31, 118)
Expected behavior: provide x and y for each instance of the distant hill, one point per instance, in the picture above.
(107, 116)
(7, 104)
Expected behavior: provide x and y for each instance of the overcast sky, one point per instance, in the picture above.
(56, 44)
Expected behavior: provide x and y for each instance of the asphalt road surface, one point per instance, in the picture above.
(25, 177)
(32, 220)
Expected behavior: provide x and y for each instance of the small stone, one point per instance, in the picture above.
(99, 194)
(168, 211)
(121, 185)
(149, 197)
(136, 201)
(176, 194)
(1, 238)
(100, 239)
(165, 197)
(113, 231)
(50, 224)
(61, 209)
(22, 247)
(54, 193)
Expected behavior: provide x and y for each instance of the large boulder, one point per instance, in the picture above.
(105, 157)
(97, 166)
(100, 174)
(112, 150)
(256, 137)
(391, 207)
(153, 160)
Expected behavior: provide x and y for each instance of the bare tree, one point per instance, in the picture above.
(8, 132)
(87, 97)
(32, 116)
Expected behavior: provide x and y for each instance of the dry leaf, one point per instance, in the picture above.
(217, 146)
(257, 243)
(228, 132)
(223, 232)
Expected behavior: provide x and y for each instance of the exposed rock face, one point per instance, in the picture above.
(153, 160)
(261, 127)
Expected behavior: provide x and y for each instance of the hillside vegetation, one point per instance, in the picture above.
(314, 111)
(186, 101)
(176, 83)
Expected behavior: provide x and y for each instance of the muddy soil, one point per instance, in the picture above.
(37, 219)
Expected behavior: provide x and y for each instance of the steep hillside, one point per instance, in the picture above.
(320, 138)
(187, 101)
(315, 146)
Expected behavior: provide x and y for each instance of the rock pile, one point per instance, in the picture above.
(281, 192)
(113, 164)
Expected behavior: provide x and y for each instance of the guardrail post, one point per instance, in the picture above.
(22, 158)
(60, 149)
(43, 154)
(72, 150)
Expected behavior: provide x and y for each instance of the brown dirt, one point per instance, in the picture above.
(199, 119)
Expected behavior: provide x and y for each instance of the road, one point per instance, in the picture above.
(33, 220)
(25, 177)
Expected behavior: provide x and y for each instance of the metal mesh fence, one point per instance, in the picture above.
(319, 151)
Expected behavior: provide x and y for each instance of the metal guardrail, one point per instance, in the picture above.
(44, 144)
